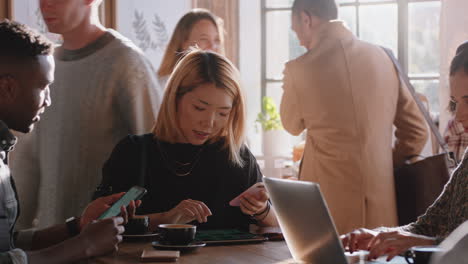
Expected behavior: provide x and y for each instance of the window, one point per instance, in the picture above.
(409, 27)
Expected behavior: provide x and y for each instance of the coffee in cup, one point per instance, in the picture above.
(177, 234)
(138, 225)
(420, 254)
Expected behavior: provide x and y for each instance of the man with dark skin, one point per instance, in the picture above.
(26, 71)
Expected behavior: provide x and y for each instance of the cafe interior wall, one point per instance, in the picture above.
(250, 67)
(148, 23)
(5, 8)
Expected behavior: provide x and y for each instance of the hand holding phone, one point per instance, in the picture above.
(135, 193)
(254, 190)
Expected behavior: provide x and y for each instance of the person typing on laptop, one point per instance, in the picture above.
(449, 210)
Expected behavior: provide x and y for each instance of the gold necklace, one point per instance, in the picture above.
(179, 168)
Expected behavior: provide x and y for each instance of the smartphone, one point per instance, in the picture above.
(135, 193)
(253, 190)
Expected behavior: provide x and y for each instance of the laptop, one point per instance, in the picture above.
(307, 226)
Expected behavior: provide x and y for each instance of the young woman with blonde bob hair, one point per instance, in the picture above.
(199, 27)
(196, 160)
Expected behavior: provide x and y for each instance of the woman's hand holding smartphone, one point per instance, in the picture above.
(254, 191)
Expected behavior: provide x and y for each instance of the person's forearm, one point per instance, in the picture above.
(68, 251)
(268, 220)
(50, 236)
(157, 219)
(427, 240)
(388, 229)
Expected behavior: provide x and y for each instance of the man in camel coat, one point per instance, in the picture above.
(346, 94)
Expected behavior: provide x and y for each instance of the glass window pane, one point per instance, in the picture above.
(348, 15)
(345, 1)
(374, 1)
(295, 48)
(423, 37)
(281, 43)
(378, 24)
(275, 90)
(277, 42)
(430, 89)
(279, 3)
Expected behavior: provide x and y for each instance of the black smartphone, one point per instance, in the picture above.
(135, 193)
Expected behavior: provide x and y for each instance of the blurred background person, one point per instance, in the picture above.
(105, 89)
(199, 27)
(347, 95)
(455, 134)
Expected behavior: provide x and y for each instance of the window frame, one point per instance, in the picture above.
(402, 29)
(6, 9)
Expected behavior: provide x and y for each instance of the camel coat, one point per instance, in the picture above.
(346, 94)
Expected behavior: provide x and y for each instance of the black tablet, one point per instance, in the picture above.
(228, 236)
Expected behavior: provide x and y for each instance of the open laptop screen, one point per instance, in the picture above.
(305, 221)
(307, 226)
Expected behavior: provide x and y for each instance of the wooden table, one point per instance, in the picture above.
(267, 252)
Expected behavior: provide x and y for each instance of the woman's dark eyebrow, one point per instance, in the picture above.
(221, 107)
(203, 102)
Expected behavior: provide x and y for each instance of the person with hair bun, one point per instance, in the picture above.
(456, 135)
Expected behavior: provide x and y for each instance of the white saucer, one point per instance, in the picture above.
(192, 246)
(140, 235)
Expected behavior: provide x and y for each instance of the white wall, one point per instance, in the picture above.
(149, 23)
(250, 66)
(136, 20)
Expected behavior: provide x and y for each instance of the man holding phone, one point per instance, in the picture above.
(26, 71)
(134, 194)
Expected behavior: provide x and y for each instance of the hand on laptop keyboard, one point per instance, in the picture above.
(391, 243)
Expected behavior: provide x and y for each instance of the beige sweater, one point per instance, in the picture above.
(101, 93)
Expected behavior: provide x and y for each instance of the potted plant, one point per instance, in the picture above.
(275, 139)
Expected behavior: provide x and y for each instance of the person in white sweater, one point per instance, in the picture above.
(104, 89)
